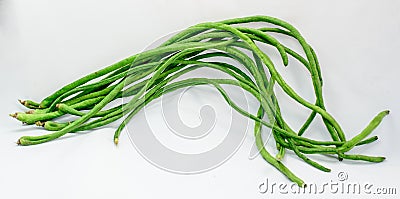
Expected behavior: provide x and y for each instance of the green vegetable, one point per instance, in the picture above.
(149, 75)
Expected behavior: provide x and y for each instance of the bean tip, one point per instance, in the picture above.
(39, 123)
(22, 101)
(116, 141)
(19, 142)
(30, 112)
(381, 159)
(14, 115)
(285, 62)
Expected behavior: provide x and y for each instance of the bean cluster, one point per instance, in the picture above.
(146, 76)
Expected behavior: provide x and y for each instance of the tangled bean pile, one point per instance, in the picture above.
(148, 75)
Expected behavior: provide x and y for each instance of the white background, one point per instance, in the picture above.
(46, 44)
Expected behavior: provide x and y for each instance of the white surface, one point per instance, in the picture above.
(46, 44)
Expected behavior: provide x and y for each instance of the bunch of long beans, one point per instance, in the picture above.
(146, 76)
